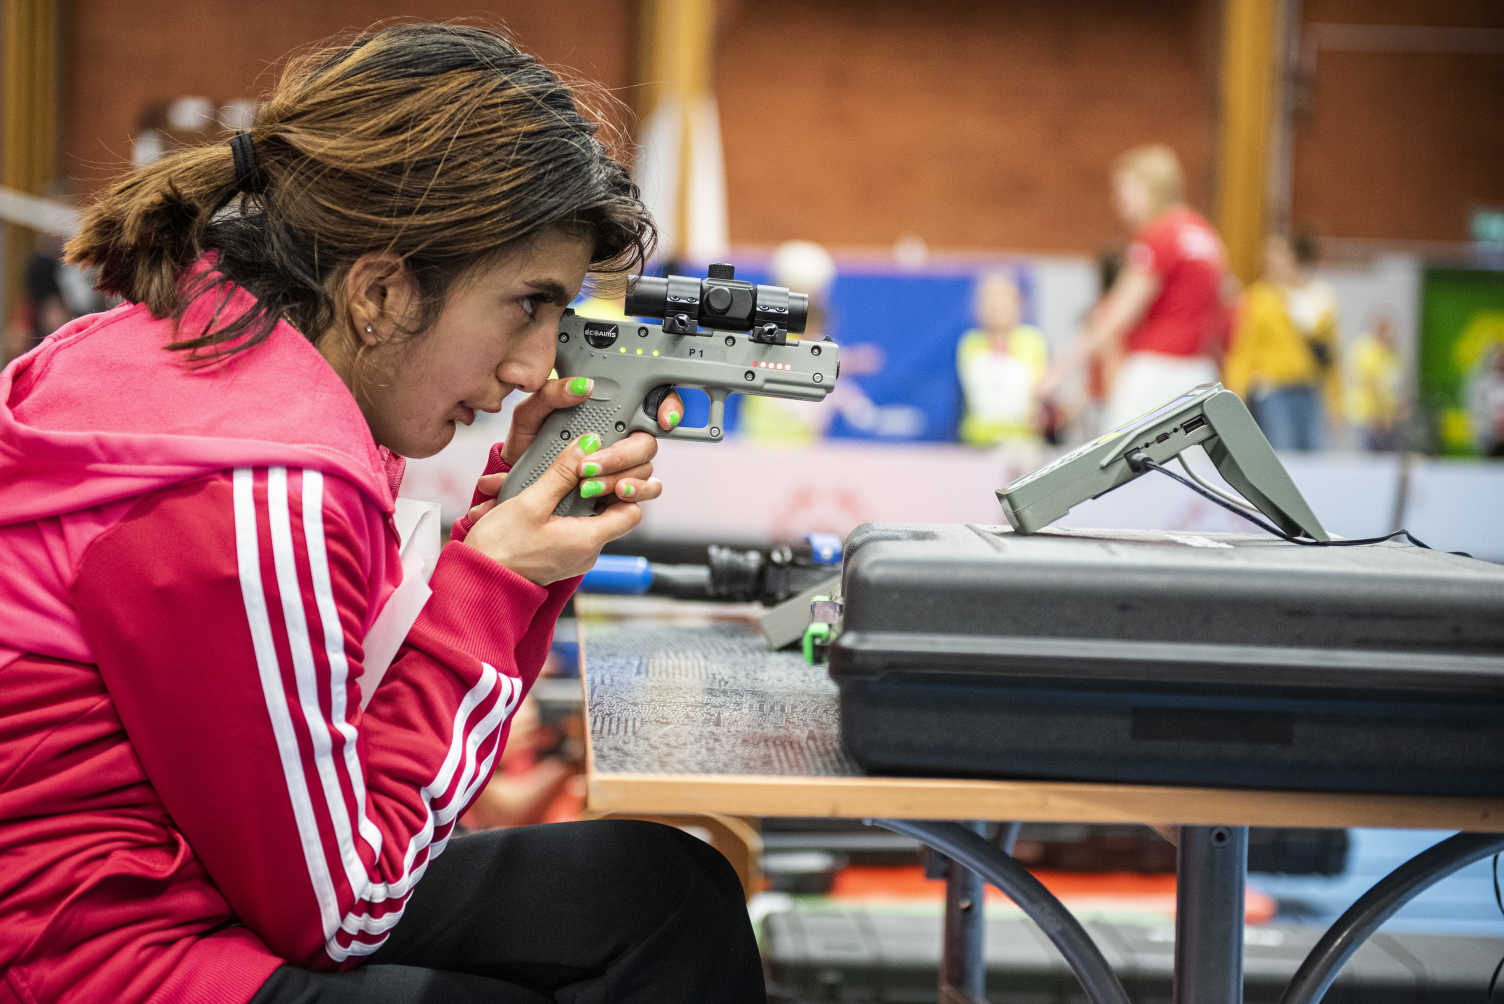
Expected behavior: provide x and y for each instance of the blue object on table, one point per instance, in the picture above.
(824, 548)
(621, 574)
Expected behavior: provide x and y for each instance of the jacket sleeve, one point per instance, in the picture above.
(534, 647)
(226, 617)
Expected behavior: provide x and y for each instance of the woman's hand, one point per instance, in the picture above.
(524, 534)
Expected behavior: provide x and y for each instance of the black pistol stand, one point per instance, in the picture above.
(1208, 416)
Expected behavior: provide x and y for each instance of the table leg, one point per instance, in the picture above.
(1081, 953)
(963, 962)
(1317, 973)
(1211, 870)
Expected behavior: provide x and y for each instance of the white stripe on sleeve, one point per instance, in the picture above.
(459, 775)
(248, 557)
(300, 646)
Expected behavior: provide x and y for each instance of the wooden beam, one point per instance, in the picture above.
(28, 134)
(677, 39)
(1248, 83)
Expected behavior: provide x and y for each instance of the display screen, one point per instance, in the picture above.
(1147, 418)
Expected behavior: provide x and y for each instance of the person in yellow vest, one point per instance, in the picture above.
(1373, 370)
(1000, 364)
(1283, 352)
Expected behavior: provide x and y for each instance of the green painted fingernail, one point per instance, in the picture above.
(579, 386)
(589, 443)
(590, 468)
(627, 491)
(673, 419)
(590, 489)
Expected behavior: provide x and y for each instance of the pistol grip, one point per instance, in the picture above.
(560, 431)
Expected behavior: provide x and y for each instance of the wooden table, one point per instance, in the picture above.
(689, 713)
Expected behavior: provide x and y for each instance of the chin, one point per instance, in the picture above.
(429, 445)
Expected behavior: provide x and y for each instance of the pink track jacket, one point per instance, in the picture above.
(194, 786)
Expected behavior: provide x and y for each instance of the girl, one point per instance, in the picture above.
(235, 733)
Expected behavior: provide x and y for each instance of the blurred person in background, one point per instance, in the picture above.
(1283, 352)
(1165, 312)
(999, 363)
(1374, 405)
(41, 309)
(53, 293)
(1484, 392)
(237, 723)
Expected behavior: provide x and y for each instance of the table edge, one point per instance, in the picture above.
(1032, 801)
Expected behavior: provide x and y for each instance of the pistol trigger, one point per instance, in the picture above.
(651, 403)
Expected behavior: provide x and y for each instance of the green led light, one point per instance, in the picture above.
(622, 350)
(655, 353)
(639, 352)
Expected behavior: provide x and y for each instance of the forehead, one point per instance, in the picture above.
(555, 255)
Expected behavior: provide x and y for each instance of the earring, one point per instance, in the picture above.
(368, 329)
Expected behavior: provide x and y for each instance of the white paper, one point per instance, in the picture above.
(418, 529)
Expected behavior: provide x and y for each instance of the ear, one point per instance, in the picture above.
(381, 298)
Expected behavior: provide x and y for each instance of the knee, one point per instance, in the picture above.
(685, 857)
(712, 864)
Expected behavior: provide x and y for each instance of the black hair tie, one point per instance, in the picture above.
(248, 175)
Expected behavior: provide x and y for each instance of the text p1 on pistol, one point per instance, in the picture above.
(718, 333)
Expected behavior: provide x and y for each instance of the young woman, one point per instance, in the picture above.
(1164, 316)
(234, 737)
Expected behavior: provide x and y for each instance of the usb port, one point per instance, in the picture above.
(1192, 424)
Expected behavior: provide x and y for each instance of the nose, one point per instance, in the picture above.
(528, 367)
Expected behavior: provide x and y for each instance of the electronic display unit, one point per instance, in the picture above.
(1209, 416)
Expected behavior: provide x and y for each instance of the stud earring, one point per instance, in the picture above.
(368, 329)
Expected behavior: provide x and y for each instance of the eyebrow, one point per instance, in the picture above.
(555, 292)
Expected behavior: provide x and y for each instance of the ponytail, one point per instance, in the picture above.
(151, 224)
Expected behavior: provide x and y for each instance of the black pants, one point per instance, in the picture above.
(578, 912)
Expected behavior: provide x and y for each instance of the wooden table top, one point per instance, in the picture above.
(688, 712)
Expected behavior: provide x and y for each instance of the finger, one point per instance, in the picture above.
(615, 520)
(638, 448)
(638, 489)
(589, 469)
(528, 416)
(560, 477)
(489, 484)
(477, 511)
(671, 411)
(594, 488)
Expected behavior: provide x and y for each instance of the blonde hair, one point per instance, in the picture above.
(1159, 169)
(443, 145)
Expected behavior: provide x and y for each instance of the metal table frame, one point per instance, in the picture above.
(1211, 871)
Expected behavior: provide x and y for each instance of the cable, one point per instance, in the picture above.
(1139, 463)
(1493, 981)
(1224, 496)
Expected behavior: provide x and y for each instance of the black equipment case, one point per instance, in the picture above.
(1148, 657)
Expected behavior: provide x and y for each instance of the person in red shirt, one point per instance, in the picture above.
(1165, 313)
(240, 710)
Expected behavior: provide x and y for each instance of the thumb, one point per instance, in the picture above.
(561, 477)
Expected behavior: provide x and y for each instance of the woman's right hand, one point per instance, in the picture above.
(524, 534)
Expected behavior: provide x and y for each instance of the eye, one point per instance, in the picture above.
(529, 304)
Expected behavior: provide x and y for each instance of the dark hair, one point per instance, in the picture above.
(441, 144)
(1304, 247)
